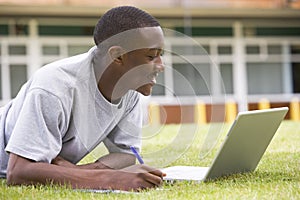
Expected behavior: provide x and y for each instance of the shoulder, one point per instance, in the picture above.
(63, 75)
(67, 67)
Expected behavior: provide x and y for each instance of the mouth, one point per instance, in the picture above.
(152, 78)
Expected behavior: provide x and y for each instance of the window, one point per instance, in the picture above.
(77, 49)
(264, 78)
(18, 76)
(66, 30)
(14, 29)
(207, 31)
(50, 50)
(296, 77)
(278, 31)
(274, 49)
(252, 49)
(17, 50)
(3, 29)
(295, 51)
(190, 50)
(191, 79)
(206, 48)
(226, 73)
(224, 50)
(20, 29)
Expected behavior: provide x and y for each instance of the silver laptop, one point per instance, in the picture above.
(245, 144)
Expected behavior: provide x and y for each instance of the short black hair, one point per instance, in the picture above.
(121, 19)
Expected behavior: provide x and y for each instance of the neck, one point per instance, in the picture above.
(109, 87)
(108, 76)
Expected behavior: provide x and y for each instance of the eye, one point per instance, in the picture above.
(155, 54)
(151, 57)
(162, 52)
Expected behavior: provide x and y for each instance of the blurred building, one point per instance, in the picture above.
(253, 48)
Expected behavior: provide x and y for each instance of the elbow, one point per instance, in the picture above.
(16, 171)
(13, 177)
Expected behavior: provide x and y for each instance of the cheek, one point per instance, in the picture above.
(140, 64)
(139, 72)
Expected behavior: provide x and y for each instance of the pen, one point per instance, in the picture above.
(137, 155)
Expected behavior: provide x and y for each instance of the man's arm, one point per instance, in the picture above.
(23, 171)
(110, 161)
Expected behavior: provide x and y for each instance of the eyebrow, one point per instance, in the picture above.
(155, 49)
(159, 50)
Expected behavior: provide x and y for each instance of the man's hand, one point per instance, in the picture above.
(137, 177)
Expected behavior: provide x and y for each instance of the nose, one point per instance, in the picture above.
(159, 66)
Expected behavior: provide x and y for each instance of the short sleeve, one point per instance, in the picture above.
(37, 134)
(128, 131)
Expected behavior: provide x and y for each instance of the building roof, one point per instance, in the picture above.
(175, 11)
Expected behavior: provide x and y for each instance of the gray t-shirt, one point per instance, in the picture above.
(60, 111)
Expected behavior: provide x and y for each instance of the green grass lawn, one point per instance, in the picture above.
(276, 177)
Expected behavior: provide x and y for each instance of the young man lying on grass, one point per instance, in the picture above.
(70, 106)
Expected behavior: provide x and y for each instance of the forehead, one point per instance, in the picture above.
(147, 51)
(151, 37)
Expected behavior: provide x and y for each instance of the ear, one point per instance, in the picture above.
(116, 53)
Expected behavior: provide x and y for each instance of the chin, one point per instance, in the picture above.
(145, 93)
(145, 90)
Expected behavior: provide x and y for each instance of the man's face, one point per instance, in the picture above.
(143, 65)
(143, 68)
